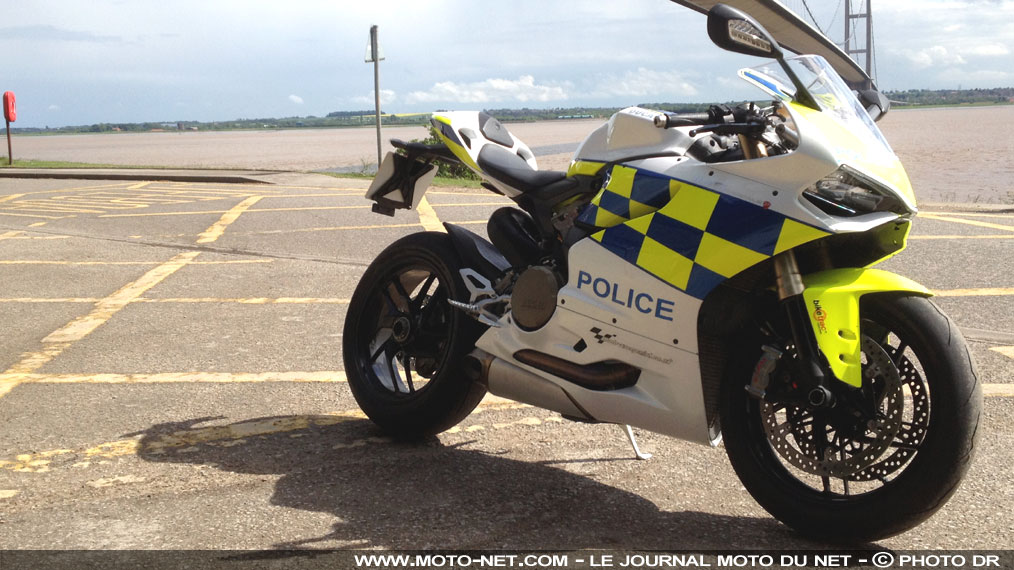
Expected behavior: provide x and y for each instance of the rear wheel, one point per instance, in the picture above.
(886, 456)
(404, 344)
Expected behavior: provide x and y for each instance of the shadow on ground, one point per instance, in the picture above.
(429, 495)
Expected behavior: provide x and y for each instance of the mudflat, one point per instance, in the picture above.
(951, 154)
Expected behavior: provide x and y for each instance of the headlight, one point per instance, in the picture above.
(846, 192)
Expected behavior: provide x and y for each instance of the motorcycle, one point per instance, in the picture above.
(704, 276)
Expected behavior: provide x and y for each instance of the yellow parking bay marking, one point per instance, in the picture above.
(1007, 351)
(218, 228)
(106, 308)
(182, 377)
(9, 235)
(983, 292)
(10, 197)
(59, 340)
(55, 262)
(241, 301)
(971, 214)
(258, 210)
(236, 434)
(967, 222)
(428, 216)
(998, 390)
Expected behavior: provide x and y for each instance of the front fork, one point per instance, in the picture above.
(812, 371)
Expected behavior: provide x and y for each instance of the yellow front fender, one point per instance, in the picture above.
(832, 300)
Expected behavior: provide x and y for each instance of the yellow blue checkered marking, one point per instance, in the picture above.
(628, 193)
(697, 238)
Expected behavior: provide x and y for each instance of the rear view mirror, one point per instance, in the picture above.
(876, 103)
(735, 31)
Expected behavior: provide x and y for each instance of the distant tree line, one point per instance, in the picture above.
(912, 97)
(999, 95)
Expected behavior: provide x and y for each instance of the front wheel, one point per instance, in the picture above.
(403, 343)
(888, 455)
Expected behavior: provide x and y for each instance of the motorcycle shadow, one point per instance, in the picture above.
(387, 494)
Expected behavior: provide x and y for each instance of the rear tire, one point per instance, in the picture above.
(404, 345)
(869, 484)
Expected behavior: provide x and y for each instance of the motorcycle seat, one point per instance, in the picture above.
(504, 166)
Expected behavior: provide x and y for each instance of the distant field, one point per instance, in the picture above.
(952, 154)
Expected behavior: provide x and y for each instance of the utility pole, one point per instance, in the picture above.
(852, 45)
(374, 56)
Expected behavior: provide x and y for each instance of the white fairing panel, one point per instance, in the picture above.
(612, 311)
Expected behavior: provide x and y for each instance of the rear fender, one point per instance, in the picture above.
(832, 299)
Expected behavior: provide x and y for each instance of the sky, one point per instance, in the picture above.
(77, 63)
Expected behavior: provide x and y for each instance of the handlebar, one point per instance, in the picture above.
(670, 120)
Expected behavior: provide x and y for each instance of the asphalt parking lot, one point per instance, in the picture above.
(171, 377)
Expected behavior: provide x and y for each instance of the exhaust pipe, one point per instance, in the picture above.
(514, 383)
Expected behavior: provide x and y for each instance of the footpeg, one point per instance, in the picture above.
(479, 312)
(633, 442)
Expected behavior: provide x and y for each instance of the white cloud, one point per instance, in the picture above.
(296, 99)
(987, 50)
(386, 96)
(54, 107)
(935, 56)
(523, 90)
(644, 83)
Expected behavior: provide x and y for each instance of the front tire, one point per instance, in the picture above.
(837, 481)
(404, 345)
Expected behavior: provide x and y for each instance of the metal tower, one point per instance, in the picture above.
(853, 46)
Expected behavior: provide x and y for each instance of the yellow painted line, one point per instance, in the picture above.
(138, 186)
(9, 235)
(218, 228)
(330, 229)
(32, 216)
(235, 434)
(106, 308)
(983, 292)
(998, 390)
(8, 493)
(428, 216)
(54, 262)
(10, 197)
(180, 378)
(38, 237)
(203, 212)
(1007, 351)
(51, 300)
(439, 205)
(59, 340)
(970, 214)
(255, 300)
(37, 224)
(950, 237)
(967, 222)
(241, 301)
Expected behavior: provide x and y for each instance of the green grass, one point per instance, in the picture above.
(439, 181)
(66, 164)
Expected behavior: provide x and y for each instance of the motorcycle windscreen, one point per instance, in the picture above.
(400, 182)
(794, 34)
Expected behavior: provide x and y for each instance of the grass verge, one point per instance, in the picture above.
(439, 181)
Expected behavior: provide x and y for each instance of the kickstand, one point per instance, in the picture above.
(633, 442)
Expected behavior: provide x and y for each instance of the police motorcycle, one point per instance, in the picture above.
(702, 276)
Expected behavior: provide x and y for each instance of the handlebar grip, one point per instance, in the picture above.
(669, 120)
